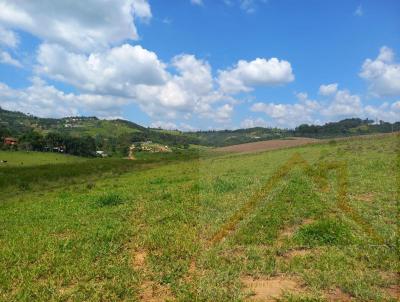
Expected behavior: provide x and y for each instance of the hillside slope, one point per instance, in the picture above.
(115, 136)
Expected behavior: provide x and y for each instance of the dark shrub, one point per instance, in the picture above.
(324, 232)
(110, 199)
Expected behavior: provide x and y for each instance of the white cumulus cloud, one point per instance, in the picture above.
(382, 74)
(164, 125)
(328, 89)
(114, 71)
(137, 74)
(259, 72)
(6, 58)
(286, 115)
(84, 25)
(251, 123)
(8, 38)
(45, 100)
(344, 104)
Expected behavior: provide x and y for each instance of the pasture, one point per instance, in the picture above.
(311, 223)
(28, 159)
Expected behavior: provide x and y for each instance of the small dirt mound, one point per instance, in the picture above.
(139, 259)
(153, 292)
(270, 289)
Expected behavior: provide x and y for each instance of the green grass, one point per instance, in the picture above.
(29, 159)
(324, 232)
(77, 240)
(51, 170)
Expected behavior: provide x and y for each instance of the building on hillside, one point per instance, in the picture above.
(10, 141)
(101, 153)
(149, 147)
(131, 154)
(59, 149)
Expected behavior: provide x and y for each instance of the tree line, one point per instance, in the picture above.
(346, 127)
(53, 141)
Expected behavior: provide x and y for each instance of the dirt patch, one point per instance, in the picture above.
(268, 145)
(367, 197)
(393, 291)
(289, 231)
(139, 259)
(66, 235)
(67, 290)
(338, 295)
(270, 289)
(297, 253)
(150, 291)
(153, 292)
(192, 272)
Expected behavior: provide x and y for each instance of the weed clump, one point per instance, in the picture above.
(223, 186)
(324, 232)
(332, 143)
(90, 185)
(24, 185)
(110, 199)
(157, 181)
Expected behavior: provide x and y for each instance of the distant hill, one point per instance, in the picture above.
(347, 127)
(115, 136)
(223, 138)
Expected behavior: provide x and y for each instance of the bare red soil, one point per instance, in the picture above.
(269, 145)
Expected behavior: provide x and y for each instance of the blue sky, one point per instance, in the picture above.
(209, 64)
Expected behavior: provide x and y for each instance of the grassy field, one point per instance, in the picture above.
(311, 223)
(29, 159)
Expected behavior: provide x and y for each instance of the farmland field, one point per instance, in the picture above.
(316, 222)
(268, 145)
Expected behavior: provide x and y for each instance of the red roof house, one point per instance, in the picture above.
(10, 141)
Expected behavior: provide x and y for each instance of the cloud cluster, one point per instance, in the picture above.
(382, 74)
(47, 101)
(251, 123)
(344, 104)
(85, 45)
(182, 88)
(289, 115)
(244, 76)
(114, 71)
(84, 25)
(8, 38)
(328, 89)
(337, 104)
(6, 58)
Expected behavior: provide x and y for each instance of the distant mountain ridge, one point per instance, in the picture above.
(114, 135)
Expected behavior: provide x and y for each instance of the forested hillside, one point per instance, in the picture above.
(85, 135)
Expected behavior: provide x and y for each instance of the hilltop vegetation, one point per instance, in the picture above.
(84, 135)
(210, 228)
